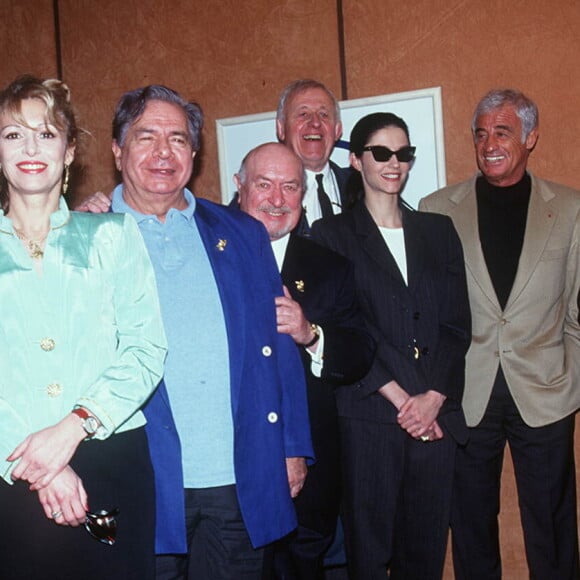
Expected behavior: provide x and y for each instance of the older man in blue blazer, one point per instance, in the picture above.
(228, 427)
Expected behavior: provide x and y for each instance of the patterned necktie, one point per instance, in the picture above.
(323, 200)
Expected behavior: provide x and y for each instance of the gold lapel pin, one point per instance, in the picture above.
(221, 245)
(299, 285)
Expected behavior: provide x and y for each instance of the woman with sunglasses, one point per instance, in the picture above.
(400, 426)
(81, 349)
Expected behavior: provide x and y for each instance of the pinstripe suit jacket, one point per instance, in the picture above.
(431, 313)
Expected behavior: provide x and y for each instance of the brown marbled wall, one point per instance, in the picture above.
(233, 57)
(27, 39)
(468, 47)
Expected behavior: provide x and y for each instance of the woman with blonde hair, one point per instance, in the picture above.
(81, 349)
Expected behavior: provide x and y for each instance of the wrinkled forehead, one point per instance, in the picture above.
(278, 173)
(311, 98)
(501, 117)
(162, 115)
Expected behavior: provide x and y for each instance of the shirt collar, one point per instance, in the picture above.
(279, 248)
(119, 205)
(311, 175)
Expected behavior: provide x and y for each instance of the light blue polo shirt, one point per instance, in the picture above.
(197, 366)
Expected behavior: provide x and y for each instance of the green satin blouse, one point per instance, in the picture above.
(85, 331)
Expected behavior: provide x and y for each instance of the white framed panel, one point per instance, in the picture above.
(421, 110)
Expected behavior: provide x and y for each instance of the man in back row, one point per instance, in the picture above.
(308, 122)
(520, 238)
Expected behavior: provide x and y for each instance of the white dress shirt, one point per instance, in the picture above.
(395, 240)
(279, 248)
(310, 201)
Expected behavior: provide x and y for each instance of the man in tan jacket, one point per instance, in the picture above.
(520, 240)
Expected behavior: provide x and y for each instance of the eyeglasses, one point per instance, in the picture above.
(102, 525)
(382, 153)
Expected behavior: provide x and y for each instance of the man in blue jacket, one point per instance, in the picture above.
(228, 426)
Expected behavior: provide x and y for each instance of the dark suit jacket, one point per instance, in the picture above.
(322, 282)
(342, 174)
(431, 313)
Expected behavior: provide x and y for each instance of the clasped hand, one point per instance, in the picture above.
(418, 415)
(64, 499)
(46, 453)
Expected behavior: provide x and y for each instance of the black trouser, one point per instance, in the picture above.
(219, 545)
(115, 472)
(545, 476)
(300, 555)
(397, 496)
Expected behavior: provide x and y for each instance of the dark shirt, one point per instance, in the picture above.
(502, 214)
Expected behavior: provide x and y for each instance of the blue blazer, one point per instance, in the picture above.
(268, 391)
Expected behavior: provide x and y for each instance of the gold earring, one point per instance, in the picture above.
(65, 182)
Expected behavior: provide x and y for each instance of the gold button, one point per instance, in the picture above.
(266, 351)
(47, 344)
(54, 390)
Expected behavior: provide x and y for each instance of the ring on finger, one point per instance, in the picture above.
(425, 438)
(56, 514)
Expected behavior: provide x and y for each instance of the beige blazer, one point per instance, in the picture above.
(537, 337)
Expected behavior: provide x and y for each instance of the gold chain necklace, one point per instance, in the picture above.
(33, 247)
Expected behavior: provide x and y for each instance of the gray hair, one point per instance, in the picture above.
(525, 108)
(132, 104)
(298, 87)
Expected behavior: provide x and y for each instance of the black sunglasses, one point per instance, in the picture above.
(382, 153)
(102, 525)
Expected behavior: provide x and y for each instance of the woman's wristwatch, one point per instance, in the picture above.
(89, 423)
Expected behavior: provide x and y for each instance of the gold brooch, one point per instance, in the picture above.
(221, 245)
(53, 389)
(47, 344)
(299, 285)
